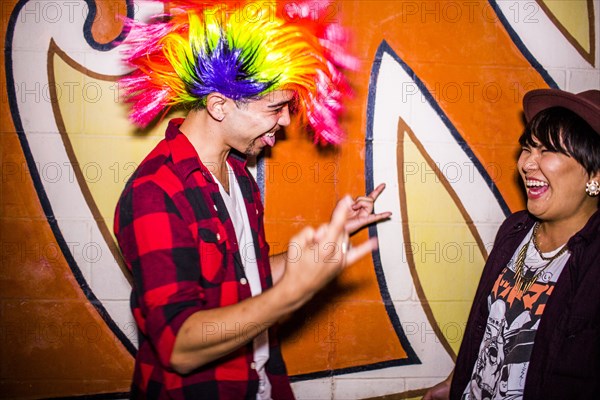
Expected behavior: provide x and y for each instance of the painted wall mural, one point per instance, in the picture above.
(435, 115)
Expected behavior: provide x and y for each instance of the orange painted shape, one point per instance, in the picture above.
(108, 20)
(51, 332)
(303, 180)
(54, 343)
(325, 328)
(471, 54)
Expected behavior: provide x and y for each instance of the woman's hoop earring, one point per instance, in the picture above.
(592, 188)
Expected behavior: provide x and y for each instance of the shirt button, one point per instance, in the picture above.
(243, 281)
(218, 236)
(215, 207)
(256, 211)
(253, 365)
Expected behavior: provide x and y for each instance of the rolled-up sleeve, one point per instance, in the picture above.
(161, 251)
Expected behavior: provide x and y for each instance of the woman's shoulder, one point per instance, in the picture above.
(517, 221)
(514, 225)
(590, 233)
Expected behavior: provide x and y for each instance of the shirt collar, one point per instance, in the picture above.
(585, 235)
(184, 155)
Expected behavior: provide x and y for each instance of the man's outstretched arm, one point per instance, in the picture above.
(321, 255)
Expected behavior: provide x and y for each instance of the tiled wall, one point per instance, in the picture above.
(435, 115)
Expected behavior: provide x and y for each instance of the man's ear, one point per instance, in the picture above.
(215, 105)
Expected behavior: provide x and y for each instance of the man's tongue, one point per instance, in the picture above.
(268, 140)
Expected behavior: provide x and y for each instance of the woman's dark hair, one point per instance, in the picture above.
(561, 130)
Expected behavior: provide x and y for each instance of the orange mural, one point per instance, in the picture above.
(63, 316)
(54, 342)
(478, 86)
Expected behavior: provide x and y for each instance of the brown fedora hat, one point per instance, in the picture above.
(585, 104)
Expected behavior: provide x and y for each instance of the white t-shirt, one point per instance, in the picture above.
(234, 201)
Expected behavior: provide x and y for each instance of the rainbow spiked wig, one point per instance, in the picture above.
(242, 50)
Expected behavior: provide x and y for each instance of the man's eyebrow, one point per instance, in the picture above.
(281, 103)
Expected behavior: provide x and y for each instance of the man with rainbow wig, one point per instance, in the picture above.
(206, 296)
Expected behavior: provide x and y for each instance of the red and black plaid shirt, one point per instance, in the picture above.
(177, 238)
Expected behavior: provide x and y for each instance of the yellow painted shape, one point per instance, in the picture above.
(446, 257)
(107, 147)
(573, 16)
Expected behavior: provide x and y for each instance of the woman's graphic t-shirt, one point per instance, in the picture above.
(501, 367)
